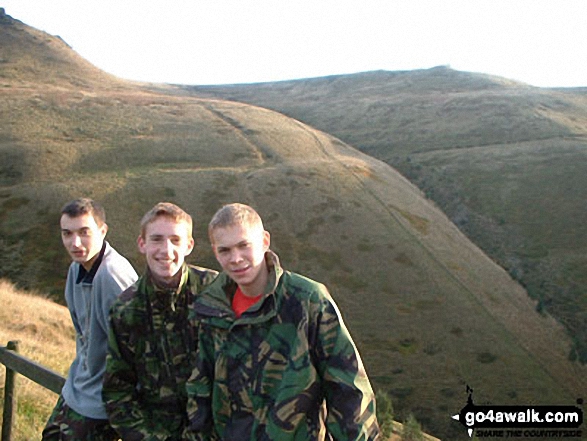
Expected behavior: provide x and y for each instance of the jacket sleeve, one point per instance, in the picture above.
(119, 390)
(199, 391)
(350, 400)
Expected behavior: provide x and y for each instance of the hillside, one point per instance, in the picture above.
(429, 311)
(31, 56)
(507, 162)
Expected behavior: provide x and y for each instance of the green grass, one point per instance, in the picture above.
(522, 207)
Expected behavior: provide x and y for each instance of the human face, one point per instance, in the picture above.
(82, 238)
(240, 250)
(165, 245)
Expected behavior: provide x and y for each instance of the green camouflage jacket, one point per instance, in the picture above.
(151, 351)
(267, 374)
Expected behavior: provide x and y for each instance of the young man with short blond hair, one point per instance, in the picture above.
(152, 345)
(97, 275)
(274, 353)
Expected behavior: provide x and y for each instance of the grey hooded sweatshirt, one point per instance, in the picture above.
(89, 295)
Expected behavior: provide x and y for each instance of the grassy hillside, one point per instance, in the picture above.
(507, 162)
(32, 56)
(429, 311)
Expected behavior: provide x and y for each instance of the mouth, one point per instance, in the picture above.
(240, 271)
(166, 262)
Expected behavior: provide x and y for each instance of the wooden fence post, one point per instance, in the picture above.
(8, 413)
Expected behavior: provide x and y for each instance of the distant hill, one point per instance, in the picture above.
(429, 311)
(506, 161)
(29, 55)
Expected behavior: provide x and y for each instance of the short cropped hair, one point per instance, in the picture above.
(234, 214)
(83, 206)
(168, 210)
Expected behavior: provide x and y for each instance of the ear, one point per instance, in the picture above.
(141, 244)
(266, 240)
(190, 247)
(104, 229)
(214, 250)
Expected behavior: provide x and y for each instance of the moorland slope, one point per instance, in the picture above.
(429, 311)
(505, 161)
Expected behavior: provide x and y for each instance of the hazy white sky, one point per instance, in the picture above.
(539, 42)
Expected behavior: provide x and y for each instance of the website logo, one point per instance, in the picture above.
(520, 421)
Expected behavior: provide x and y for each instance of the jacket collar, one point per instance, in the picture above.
(87, 277)
(215, 300)
(160, 296)
(275, 272)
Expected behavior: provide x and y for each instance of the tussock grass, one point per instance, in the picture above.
(45, 335)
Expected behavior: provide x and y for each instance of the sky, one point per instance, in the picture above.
(199, 42)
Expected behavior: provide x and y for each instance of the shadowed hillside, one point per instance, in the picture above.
(429, 311)
(507, 162)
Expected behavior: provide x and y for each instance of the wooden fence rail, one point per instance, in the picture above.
(16, 363)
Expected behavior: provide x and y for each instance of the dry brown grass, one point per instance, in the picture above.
(45, 335)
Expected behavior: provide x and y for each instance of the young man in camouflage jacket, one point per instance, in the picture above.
(274, 353)
(151, 344)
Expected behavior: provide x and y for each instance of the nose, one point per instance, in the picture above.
(77, 241)
(235, 256)
(168, 247)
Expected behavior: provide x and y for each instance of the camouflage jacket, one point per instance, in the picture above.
(151, 351)
(268, 374)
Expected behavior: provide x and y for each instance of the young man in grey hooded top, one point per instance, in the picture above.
(97, 275)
